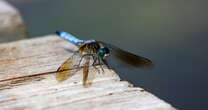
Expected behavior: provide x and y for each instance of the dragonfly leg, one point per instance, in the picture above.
(106, 63)
(96, 69)
(99, 61)
(85, 55)
(94, 61)
(78, 65)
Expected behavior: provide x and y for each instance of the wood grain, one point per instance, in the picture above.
(27, 81)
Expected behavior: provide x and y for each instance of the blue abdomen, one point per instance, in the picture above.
(72, 39)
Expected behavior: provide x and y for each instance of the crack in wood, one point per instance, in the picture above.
(16, 81)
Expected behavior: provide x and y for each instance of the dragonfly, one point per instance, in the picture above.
(98, 51)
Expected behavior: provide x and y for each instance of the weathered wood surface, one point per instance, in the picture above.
(27, 81)
(12, 26)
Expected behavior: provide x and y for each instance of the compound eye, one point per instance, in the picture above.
(107, 51)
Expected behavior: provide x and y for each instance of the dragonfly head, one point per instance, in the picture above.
(103, 52)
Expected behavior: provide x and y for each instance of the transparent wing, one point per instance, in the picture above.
(63, 71)
(67, 69)
(86, 71)
(89, 72)
(127, 57)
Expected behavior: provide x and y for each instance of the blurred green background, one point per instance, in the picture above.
(173, 33)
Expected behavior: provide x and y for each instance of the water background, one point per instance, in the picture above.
(173, 33)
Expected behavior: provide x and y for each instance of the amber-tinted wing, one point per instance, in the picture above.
(89, 72)
(86, 71)
(64, 71)
(127, 57)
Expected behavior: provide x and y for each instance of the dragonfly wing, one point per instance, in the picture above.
(88, 74)
(86, 71)
(127, 57)
(65, 70)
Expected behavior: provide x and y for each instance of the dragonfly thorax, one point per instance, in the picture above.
(89, 48)
(94, 48)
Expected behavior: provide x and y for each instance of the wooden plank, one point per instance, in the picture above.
(27, 81)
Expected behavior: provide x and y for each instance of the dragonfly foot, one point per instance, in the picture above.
(102, 69)
(96, 69)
